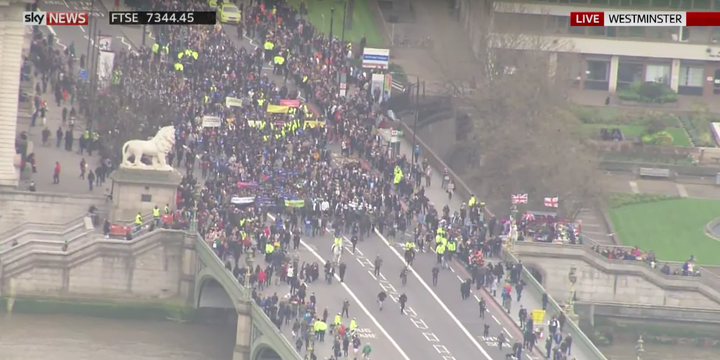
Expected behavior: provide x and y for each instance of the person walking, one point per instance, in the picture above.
(56, 173)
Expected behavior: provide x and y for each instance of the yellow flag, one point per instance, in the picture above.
(278, 109)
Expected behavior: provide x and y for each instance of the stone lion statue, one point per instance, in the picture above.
(156, 148)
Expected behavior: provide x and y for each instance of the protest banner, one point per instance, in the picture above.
(231, 101)
(277, 109)
(242, 200)
(290, 102)
(295, 203)
(211, 121)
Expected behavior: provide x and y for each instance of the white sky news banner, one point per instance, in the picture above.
(376, 58)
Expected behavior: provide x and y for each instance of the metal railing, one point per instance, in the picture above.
(580, 339)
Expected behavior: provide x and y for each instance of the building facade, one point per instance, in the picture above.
(607, 58)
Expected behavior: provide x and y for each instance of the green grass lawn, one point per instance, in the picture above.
(363, 20)
(680, 137)
(674, 229)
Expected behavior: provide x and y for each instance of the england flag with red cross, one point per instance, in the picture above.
(551, 202)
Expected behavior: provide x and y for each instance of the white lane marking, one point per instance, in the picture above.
(477, 298)
(82, 28)
(496, 320)
(681, 190)
(508, 333)
(383, 277)
(252, 43)
(51, 30)
(359, 252)
(92, 41)
(359, 303)
(634, 187)
(437, 299)
(453, 270)
(459, 278)
(122, 40)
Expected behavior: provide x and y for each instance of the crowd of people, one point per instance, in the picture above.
(265, 176)
(688, 268)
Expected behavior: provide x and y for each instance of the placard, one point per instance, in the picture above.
(211, 121)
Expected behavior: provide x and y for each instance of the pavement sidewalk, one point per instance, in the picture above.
(46, 156)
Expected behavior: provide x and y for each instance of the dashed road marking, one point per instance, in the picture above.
(496, 320)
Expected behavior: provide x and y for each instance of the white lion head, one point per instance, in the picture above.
(165, 139)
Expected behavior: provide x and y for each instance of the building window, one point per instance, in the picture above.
(658, 73)
(578, 30)
(691, 80)
(597, 75)
(715, 35)
(597, 70)
(691, 76)
(702, 4)
(629, 73)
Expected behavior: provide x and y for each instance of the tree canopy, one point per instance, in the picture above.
(522, 135)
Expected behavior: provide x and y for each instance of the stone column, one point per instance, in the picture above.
(243, 340)
(675, 75)
(614, 65)
(552, 65)
(11, 43)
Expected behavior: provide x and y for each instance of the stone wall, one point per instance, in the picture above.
(645, 312)
(150, 267)
(602, 280)
(17, 207)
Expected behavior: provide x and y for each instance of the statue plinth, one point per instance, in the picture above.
(141, 190)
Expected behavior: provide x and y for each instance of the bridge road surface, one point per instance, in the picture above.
(425, 328)
(449, 285)
(331, 296)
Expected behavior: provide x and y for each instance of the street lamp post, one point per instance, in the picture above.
(417, 116)
(332, 17)
(249, 261)
(639, 350)
(572, 278)
(93, 80)
(342, 37)
(91, 28)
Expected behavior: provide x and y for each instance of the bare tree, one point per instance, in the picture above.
(522, 135)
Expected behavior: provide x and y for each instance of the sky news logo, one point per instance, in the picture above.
(55, 18)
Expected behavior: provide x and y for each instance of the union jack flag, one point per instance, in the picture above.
(519, 198)
(551, 202)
